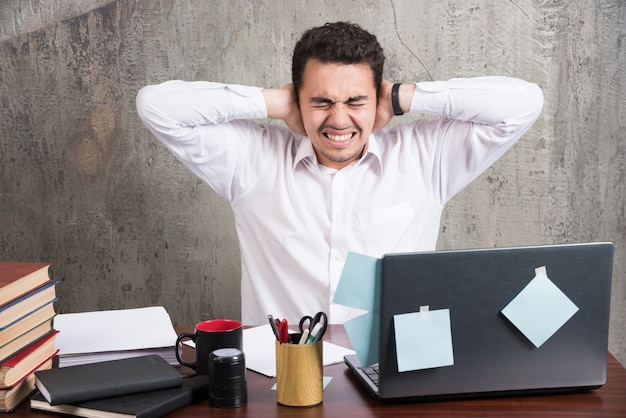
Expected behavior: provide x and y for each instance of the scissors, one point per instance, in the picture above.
(320, 318)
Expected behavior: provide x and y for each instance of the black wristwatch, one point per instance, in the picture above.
(395, 100)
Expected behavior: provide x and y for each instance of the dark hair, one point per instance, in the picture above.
(340, 42)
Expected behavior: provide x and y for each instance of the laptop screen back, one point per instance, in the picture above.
(490, 354)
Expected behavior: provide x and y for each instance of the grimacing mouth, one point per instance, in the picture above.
(339, 138)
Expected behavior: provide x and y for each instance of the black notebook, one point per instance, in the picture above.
(150, 404)
(106, 379)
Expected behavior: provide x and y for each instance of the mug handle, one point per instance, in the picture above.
(178, 349)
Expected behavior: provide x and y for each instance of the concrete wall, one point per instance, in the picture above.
(84, 186)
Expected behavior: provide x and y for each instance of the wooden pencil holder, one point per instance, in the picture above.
(299, 375)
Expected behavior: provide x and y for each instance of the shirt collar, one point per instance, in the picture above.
(373, 151)
(306, 154)
(304, 151)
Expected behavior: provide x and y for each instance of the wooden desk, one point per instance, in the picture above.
(344, 397)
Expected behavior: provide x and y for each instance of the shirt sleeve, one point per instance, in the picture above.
(481, 119)
(206, 126)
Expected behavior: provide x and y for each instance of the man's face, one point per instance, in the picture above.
(338, 106)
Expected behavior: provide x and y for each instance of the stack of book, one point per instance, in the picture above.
(139, 387)
(27, 336)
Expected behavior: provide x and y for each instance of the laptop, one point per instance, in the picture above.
(491, 356)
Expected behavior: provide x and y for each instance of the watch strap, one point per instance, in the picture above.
(395, 100)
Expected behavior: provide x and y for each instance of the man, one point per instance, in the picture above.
(335, 181)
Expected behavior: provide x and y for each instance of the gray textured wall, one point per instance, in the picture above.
(84, 186)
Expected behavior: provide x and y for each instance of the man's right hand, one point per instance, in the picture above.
(283, 104)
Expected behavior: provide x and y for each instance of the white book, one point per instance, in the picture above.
(89, 337)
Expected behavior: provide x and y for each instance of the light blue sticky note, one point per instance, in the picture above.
(540, 309)
(423, 340)
(359, 287)
(359, 283)
(363, 333)
(325, 381)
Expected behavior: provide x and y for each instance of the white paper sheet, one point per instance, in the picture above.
(121, 333)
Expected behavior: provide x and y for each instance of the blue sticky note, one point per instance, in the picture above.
(359, 287)
(363, 333)
(325, 381)
(540, 309)
(423, 340)
(359, 283)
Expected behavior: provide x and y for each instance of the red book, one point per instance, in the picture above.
(26, 361)
(17, 278)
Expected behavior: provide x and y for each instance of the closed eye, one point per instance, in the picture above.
(324, 102)
(356, 101)
(321, 101)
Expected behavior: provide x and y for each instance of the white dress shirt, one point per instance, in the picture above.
(297, 220)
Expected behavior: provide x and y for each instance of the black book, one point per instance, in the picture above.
(151, 404)
(106, 379)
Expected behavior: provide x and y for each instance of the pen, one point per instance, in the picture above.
(274, 327)
(304, 336)
(315, 333)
